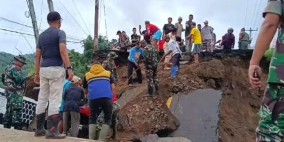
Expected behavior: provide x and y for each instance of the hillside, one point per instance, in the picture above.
(6, 58)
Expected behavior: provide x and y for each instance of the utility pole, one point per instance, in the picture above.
(96, 36)
(250, 33)
(33, 18)
(50, 5)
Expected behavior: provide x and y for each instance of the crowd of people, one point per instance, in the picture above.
(204, 38)
(62, 93)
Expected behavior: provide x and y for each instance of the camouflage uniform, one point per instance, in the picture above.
(14, 82)
(271, 124)
(151, 64)
(110, 65)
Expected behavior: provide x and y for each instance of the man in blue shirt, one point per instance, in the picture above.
(99, 84)
(134, 55)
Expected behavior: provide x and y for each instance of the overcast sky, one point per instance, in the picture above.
(124, 15)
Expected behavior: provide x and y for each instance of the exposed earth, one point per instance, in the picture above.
(142, 115)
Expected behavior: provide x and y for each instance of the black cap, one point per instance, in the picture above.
(118, 32)
(53, 16)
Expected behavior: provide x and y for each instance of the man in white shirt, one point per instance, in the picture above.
(176, 55)
(206, 34)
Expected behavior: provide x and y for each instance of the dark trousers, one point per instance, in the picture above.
(175, 60)
(98, 105)
(131, 65)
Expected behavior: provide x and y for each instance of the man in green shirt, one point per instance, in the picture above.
(271, 124)
(244, 39)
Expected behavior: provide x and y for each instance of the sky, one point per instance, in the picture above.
(78, 18)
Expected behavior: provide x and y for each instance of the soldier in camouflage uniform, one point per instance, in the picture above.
(271, 124)
(151, 64)
(14, 82)
(110, 65)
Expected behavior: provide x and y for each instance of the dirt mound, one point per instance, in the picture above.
(239, 105)
(146, 115)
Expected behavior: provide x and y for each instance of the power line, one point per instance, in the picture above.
(73, 17)
(28, 34)
(254, 14)
(11, 21)
(7, 20)
(246, 13)
(41, 14)
(105, 18)
(81, 17)
(258, 11)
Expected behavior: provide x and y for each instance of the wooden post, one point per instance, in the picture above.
(33, 18)
(96, 36)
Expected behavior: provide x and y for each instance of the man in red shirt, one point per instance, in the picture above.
(154, 32)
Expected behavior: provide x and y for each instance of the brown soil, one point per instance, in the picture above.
(238, 108)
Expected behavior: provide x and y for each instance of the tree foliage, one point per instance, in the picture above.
(80, 62)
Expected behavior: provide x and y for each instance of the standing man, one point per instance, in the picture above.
(199, 27)
(100, 85)
(196, 38)
(154, 32)
(14, 81)
(51, 57)
(228, 40)
(133, 58)
(176, 55)
(180, 29)
(134, 37)
(168, 27)
(146, 37)
(122, 41)
(207, 37)
(151, 64)
(109, 65)
(244, 39)
(270, 126)
(187, 33)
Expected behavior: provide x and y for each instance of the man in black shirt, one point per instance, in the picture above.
(168, 27)
(134, 37)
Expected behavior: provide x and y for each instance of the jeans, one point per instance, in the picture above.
(175, 65)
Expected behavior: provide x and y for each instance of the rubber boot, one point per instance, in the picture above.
(52, 131)
(104, 132)
(92, 131)
(40, 120)
(18, 126)
(114, 131)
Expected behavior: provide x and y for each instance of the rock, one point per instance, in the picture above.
(155, 138)
(211, 83)
(150, 138)
(174, 139)
(203, 125)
